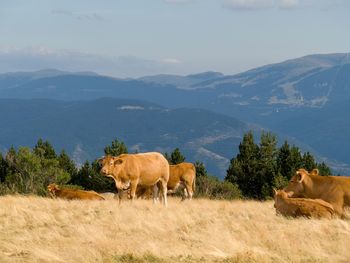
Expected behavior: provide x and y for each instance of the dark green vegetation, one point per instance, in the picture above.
(252, 172)
(260, 167)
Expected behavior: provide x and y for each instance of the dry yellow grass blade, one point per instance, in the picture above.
(34, 229)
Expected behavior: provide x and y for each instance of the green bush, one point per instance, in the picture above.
(29, 173)
(211, 187)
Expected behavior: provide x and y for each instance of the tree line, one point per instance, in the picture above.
(252, 173)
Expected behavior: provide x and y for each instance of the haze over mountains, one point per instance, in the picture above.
(307, 98)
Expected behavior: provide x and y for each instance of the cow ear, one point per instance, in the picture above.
(274, 191)
(118, 161)
(99, 160)
(315, 172)
(300, 177)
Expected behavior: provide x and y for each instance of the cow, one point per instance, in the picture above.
(332, 189)
(70, 194)
(184, 175)
(296, 207)
(131, 170)
(181, 175)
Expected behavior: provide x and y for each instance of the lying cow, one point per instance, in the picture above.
(295, 207)
(131, 170)
(332, 189)
(65, 193)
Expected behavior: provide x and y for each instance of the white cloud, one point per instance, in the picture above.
(171, 61)
(288, 4)
(130, 107)
(79, 15)
(177, 1)
(247, 5)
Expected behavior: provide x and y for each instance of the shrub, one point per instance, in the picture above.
(211, 187)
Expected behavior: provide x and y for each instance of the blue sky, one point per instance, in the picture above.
(130, 38)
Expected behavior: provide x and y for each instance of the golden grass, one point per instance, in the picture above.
(34, 229)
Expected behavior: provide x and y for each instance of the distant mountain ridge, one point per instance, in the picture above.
(84, 128)
(305, 98)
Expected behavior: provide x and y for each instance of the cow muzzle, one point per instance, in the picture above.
(126, 186)
(122, 185)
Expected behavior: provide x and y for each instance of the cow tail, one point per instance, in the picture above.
(194, 183)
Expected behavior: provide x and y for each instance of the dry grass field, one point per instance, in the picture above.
(34, 229)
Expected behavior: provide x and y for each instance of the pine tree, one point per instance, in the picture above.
(284, 164)
(267, 169)
(90, 178)
(44, 150)
(200, 169)
(3, 168)
(67, 164)
(243, 169)
(323, 169)
(176, 157)
(83, 176)
(116, 148)
(296, 160)
(308, 161)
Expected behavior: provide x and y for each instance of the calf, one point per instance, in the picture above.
(70, 194)
(296, 207)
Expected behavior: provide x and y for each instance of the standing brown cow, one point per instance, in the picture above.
(332, 189)
(184, 175)
(180, 175)
(144, 169)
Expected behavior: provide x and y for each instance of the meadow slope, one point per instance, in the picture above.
(34, 229)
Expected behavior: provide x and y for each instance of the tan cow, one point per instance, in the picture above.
(332, 189)
(295, 207)
(180, 175)
(184, 175)
(131, 170)
(65, 193)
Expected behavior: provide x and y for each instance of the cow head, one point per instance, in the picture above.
(295, 187)
(280, 195)
(52, 188)
(114, 167)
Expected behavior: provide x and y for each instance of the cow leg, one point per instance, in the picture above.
(164, 188)
(339, 210)
(185, 194)
(155, 194)
(133, 187)
(120, 195)
(189, 191)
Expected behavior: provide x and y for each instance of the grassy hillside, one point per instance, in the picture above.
(36, 229)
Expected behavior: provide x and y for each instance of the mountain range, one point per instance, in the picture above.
(305, 98)
(84, 128)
